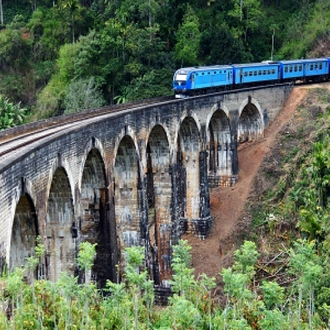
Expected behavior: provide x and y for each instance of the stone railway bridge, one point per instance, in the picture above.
(140, 177)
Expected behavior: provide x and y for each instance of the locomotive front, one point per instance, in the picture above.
(181, 83)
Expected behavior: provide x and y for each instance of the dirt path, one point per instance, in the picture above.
(227, 204)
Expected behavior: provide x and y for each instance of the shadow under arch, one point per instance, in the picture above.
(24, 235)
(94, 225)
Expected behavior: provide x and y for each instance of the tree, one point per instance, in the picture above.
(83, 94)
(154, 83)
(305, 266)
(1, 13)
(188, 39)
(219, 45)
(73, 7)
(247, 14)
(15, 53)
(51, 98)
(10, 114)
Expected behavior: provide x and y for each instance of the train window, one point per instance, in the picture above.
(250, 73)
(273, 71)
(316, 66)
(203, 73)
(264, 72)
(286, 69)
(255, 73)
(295, 68)
(268, 71)
(259, 73)
(312, 66)
(215, 72)
(320, 66)
(290, 68)
(300, 67)
(245, 74)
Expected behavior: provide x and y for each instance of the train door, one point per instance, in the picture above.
(230, 76)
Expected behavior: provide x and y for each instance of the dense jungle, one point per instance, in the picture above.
(64, 56)
(118, 51)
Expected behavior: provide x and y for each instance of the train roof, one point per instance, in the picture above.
(204, 68)
(305, 60)
(264, 64)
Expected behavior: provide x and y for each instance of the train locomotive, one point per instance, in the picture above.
(205, 79)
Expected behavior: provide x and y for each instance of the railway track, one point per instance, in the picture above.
(11, 140)
(16, 138)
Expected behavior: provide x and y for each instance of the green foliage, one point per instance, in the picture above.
(10, 115)
(66, 304)
(132, 48)
(81, 95)
(86, 255)
(184, 314)
(245, 258)
(152, 84)
(188, 39)
(183, 278)
(306, 29)
(247, 15)
(273, 294)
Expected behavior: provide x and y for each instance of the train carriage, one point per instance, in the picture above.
(255, 73)
(316, 69)
(196, 80)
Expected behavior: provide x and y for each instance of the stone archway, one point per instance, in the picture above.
(249, 124)
(159, 194)
(126, 193)
(60, 227)
(24, 235)
(94, 223)
(188, 180)
(220, 151)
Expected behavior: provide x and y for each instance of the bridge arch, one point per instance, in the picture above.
(126, 178)
(23, 187)
(188, 171)
(219, 139)
(159, 194)
(24, 228)
(61, 241)
(250, 123)
(92, 143)
(94, 224)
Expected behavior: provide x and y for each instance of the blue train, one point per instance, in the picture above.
(205, 79)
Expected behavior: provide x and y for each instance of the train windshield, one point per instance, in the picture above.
(180, 78)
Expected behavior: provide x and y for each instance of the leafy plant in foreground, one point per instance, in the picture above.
(10, 114)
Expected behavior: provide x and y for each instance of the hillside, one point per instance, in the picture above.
(63, 56)
(232, 220)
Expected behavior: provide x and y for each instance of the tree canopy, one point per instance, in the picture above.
(131, 49)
